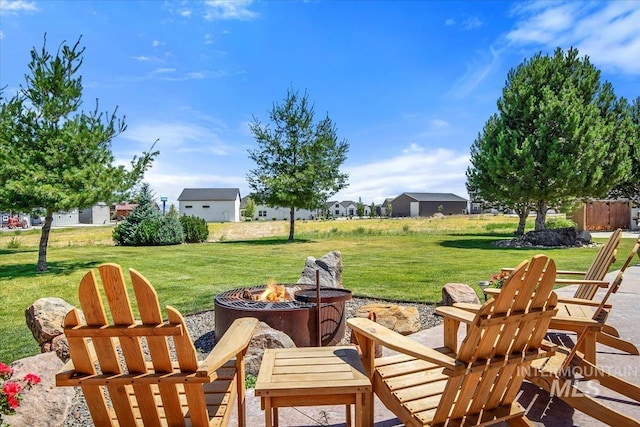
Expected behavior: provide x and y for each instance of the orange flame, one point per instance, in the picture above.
(274, 292)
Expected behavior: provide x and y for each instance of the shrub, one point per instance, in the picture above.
(560, 223)
(145, 226)
(195, 229)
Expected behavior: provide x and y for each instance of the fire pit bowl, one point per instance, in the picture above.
(297, 318)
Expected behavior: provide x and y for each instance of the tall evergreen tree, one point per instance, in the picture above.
(559, 134)
(629, 188)
(53, 156)
(298, 161)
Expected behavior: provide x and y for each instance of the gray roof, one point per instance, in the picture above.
(435, 197)
(206, 194)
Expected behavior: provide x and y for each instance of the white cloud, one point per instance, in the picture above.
(13, 7)
(449, 22)
(414, 169)
(471, 23)
(608, 33)
(164, 70)
(141, 58)
(226, 9)
(178, 137)
(156, 43)
(185, 13)
(477, 72)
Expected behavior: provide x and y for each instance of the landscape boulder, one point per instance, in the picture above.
(403, 320)
(549, 238)
(458, 292)
(584, 237)
(264, 337)
(44, 405)
(330, 267)
(45, 318)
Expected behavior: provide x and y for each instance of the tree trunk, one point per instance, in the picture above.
(541, 215)
(292, 223)
(44, 241)
(523, 213)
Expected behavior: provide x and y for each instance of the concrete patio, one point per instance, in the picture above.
(541, 409)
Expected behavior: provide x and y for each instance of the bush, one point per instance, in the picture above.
(195, 229)
(145, 226)
(553, 223)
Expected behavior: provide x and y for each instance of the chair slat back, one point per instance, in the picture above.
(600, 314)
(138, 398)
(502, 341)
(605, 257)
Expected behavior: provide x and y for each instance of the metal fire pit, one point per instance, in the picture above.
(298, 319)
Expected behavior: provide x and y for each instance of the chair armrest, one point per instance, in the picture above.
(457, 313)
(571, 273)
(600, 283)
(491, 291)
(401, 344)
(581, 301)
(234, 341)
(467, 306)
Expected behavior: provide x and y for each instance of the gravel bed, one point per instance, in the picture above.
(201, 327)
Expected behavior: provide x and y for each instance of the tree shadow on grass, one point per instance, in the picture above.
(477, 241)
(58, 268)
(266, 242)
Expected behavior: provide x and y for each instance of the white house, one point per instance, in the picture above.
(264, 212)
(212, 204)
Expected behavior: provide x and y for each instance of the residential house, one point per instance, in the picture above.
(122, 210)
(264, 212)
(212, 204)
(427, 204)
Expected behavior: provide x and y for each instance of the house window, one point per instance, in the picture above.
(337, 205)
(337, 211)
(262, 214)
(188, 206)
(205, 206)
(351, 212)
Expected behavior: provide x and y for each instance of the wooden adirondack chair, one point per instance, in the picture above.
(478, 383)
(559, 373)
(124, 386)
(575, 313)
(591, 280)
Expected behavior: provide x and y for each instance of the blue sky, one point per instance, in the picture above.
(408, 84)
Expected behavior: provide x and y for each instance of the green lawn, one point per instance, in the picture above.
(406, 260)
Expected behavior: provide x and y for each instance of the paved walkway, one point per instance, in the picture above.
(542, 410)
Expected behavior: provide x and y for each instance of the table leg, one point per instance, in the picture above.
(266, 403)
(348, 412)
(359, 409)
(275, 416)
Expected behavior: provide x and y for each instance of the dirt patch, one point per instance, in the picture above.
(251, 230)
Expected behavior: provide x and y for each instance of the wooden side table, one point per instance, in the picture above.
(314, 376)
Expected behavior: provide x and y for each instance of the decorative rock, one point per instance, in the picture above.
(45, 404)
(550, 238)
(45, 318)
(404, 320)
(330, 266)
(584, 237)
(264, 337)
(60, 345)
(458, 292)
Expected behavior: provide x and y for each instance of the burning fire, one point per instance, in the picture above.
(275, 293)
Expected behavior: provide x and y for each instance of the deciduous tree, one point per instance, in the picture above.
(56, 157)
(559, 134)
(298, 161)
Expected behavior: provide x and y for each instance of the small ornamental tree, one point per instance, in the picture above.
(372, 209)
(249, 208)
(360, 208)
(298, 161)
